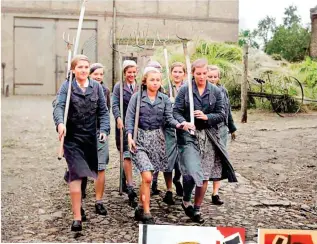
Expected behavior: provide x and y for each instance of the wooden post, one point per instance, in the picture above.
(244, 86)
(3, 65)
(7, 91)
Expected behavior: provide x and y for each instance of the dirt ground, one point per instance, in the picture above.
(275, 159)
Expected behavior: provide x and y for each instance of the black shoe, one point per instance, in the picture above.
(76, 226)
(100, 209)
(189, 211)
(216, 200)
(179, 188)
(132, 195)
(168, 199)
(148, 219)
(83, 214)
(155, 191)
(197, 218)
(138, 214)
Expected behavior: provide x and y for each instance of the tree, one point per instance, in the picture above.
(291, 17)
(266, 28)
(290, 42)
(248, 37)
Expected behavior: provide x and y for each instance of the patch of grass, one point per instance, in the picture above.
(9, 144)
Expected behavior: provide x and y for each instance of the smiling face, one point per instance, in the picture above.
(130, 74)
(200, 75)
(97, 75)
(81, 70)
(213, 76)
(178, 74)
(153, 81)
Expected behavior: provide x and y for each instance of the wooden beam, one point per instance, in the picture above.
(244, 86)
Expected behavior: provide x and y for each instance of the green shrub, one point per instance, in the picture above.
(276, 56)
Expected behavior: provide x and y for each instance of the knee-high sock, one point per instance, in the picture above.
(83, 187)
(188, 186)
(178, 174)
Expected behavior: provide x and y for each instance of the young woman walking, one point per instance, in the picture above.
(148, 151)
(213, 76)
(202, 156)
(87, 110)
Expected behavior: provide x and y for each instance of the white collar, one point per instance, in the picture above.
(86, 84)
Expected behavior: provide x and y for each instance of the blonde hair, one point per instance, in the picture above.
(178, 64)
(76, 59)
(199, 63)
(214, 67)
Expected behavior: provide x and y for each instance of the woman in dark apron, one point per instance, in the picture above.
(148, 151)
(87, 108)
(213, 76)
(129, 88)
(202, 156)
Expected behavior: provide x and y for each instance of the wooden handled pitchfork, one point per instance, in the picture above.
(170, 87)
(189, 79)
(138, 104)
(69, 78)
(120, 53)
(69, 72)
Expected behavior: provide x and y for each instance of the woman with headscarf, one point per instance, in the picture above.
(97, 73)
(129, 68)
(177, 73)
(148, 150)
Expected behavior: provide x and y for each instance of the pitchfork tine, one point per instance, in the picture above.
(182, 38)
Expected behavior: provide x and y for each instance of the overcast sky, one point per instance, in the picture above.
(251, 11)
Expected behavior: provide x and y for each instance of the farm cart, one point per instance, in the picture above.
(286, 97)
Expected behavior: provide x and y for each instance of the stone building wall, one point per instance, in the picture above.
(40, 24)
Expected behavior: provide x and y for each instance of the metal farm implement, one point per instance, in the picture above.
(286, 98)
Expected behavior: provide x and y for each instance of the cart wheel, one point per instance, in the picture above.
(290, 98)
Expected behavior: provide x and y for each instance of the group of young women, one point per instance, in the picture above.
(165, 139)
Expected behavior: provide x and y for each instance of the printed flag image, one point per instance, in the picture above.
(279, 236)
(172, 234)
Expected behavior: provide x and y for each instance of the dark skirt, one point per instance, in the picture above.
(80, 152)
(103, 155)
(223, 130)
(203, 157)
(171, 148)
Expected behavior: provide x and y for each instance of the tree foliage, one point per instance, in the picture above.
(291, 43)
(248, 37)
(266, 28)
(289, 40)
(291, 17)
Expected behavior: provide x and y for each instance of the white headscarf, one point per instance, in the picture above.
(148, 69)
(127, 63)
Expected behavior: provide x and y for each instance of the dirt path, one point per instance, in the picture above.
(276, 160)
